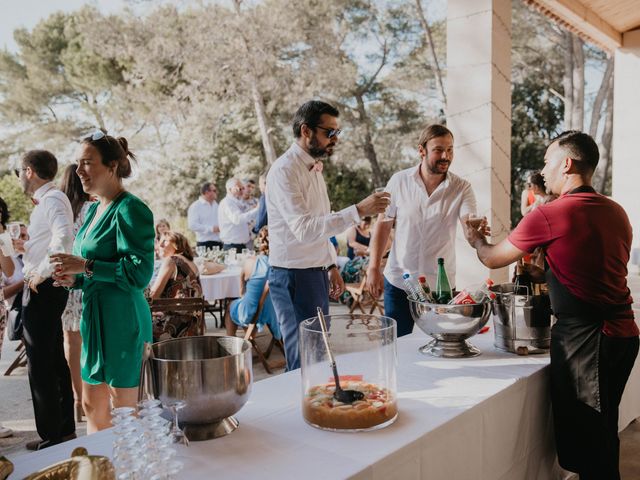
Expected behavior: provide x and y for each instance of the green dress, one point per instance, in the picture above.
(116, 320)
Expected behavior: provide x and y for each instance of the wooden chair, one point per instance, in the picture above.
(194, 305)
(250, 333)
(362, 299)
(20, 360)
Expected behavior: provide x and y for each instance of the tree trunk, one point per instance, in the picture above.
(369, 148)
(258, 99)
(607, 135)
(603, 93)
(263, 122)
(432, 49)
(567, 80)
(578, 84)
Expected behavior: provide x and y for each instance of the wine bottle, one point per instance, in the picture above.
(443, 293)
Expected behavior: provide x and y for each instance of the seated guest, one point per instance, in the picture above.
(161, 227)
(358, 238)
(255, 271)
(178, 278)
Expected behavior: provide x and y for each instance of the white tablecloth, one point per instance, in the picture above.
(484, 418)
(225, 284)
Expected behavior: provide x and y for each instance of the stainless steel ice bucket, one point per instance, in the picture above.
(522, 321)
(212, 374)
(450, 326)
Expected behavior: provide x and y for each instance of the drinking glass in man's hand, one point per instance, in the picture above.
(388, 215)
(14, 230)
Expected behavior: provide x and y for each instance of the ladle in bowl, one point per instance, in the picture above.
(344, 396)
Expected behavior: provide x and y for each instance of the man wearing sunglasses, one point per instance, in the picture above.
(303, 272)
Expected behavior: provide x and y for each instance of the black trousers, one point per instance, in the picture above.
(209, 244)
(49, 376)
(587, 440)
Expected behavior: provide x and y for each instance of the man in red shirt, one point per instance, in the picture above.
(586, 238)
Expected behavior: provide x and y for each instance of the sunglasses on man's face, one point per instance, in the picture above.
(17, 171)
(331, 132)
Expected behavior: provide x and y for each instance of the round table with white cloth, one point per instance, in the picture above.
(225, 284)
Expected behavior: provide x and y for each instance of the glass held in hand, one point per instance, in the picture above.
(390, 212)
(14, 230)
(479, 223)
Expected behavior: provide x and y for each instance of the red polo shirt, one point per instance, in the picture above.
(587, 239)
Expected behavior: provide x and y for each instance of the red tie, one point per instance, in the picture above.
(35, 201)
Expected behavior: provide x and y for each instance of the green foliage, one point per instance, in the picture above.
(19, 204)
(536, 113)
(346, 186)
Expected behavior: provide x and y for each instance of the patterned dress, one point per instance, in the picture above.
(185, 284)
(73, 311)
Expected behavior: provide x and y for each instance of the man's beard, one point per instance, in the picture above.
(436, 167)
(316, 152)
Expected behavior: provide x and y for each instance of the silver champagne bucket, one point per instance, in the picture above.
(212, 374)
(521, 320)
(450, 326)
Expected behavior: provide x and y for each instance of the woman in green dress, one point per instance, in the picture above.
(112, 263)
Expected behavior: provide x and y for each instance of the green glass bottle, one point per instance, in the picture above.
(443, 293)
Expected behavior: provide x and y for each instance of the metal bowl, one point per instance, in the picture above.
(450, 326)
(212, 374)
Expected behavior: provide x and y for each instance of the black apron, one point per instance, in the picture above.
(576, 339)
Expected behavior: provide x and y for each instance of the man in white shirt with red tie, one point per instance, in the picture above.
(50, 231)
(303, 272)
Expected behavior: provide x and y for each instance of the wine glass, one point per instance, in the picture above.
(177, 434)
(14, 230)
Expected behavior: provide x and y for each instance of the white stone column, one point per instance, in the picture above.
(479, 115)
(626, 131)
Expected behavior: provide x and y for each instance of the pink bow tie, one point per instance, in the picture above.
(317, 166)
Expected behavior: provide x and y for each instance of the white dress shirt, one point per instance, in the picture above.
(425, 225)
(234, 221)
(202, 216)
(50, 230)
(298, 209)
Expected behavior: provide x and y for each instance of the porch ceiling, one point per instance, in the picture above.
(599, 21)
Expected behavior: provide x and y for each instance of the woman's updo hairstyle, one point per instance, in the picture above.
(263, 240)
(112, 150)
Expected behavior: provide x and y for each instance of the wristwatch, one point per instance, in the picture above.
(88, 268)
(332, 266)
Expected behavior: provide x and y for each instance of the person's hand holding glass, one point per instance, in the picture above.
(374, 204)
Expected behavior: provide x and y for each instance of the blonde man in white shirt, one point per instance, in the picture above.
(50, 231)
(303, 272)
(202, 217)
(235, 231)
(427, 203)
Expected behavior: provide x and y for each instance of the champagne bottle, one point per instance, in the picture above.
(523, 281)
(443, 293)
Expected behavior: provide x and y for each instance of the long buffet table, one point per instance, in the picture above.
(481, 418)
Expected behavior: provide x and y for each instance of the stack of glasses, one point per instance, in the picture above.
(143, 445)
